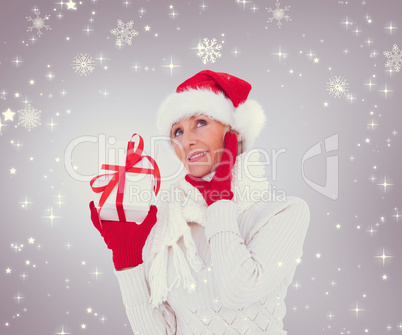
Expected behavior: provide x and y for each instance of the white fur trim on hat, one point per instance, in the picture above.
(178, 106)
(248, 118)
(249, 121)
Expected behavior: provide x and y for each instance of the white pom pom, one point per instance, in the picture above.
(249, 121)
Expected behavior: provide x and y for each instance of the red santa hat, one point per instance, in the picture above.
(222, 97)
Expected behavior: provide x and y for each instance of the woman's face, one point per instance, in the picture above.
(198, 141)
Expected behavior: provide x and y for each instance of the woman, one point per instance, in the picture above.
(217, 259)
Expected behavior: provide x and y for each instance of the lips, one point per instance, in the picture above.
(197, 155)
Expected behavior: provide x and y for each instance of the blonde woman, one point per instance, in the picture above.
(218, 258)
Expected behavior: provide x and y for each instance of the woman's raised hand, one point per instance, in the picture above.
(125, 239)
(219, 187)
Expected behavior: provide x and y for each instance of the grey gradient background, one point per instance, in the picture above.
(55, 276)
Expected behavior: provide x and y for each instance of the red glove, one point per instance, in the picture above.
(125, 239)
(220, 186)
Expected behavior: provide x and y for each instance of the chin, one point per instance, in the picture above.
(198, 171)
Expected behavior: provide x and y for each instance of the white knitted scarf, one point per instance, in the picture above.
(190, 206)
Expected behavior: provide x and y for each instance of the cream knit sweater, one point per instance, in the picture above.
(250, 260)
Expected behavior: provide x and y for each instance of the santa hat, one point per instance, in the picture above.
(222, 97)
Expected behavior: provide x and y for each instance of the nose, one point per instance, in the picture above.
(189, 139)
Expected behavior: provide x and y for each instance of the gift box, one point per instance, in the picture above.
(127, 191)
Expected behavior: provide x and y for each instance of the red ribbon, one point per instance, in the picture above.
(119, 176)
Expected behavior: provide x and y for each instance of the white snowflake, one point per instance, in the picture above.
(38, 23)
(278, 14)
(29, 117)
(83, 64)
(338, 87)
(209, 51)
(394, 58)
(124, 32)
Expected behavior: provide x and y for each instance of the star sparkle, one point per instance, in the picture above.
(104, 93)
(386, 91)
(385, 184)
(59, 202)
(18, 297)
(203, 6)
(383, 257)
(52, 124)
(372, 124)
(96, 273)
(17, 61)
(280, 54)
(51, 217)
(136, 67)
(173, 14)
(371, 230)
(370, 84)
(347, 23)
(171, 66)
(26, 203)
(88, 30)
(391, 28)
(396, 215)
(62, 332)
(357, 309)
(61, 3)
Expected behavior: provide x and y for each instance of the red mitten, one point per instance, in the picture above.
(220, 186)
(125, 239)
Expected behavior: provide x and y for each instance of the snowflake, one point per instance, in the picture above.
(209, 50)
(83, 64)
(278, 14)
(29, 117)
(38, 23)
(337, 87)
(124, 32)
(394, 58)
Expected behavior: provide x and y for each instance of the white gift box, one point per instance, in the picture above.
(137, 199)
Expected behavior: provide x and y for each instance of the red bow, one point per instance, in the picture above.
(119, 176)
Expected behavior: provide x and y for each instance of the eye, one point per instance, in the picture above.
(201, 123)
(177, 132)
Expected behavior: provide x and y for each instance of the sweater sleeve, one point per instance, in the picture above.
(248, 273)
(143, 319)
